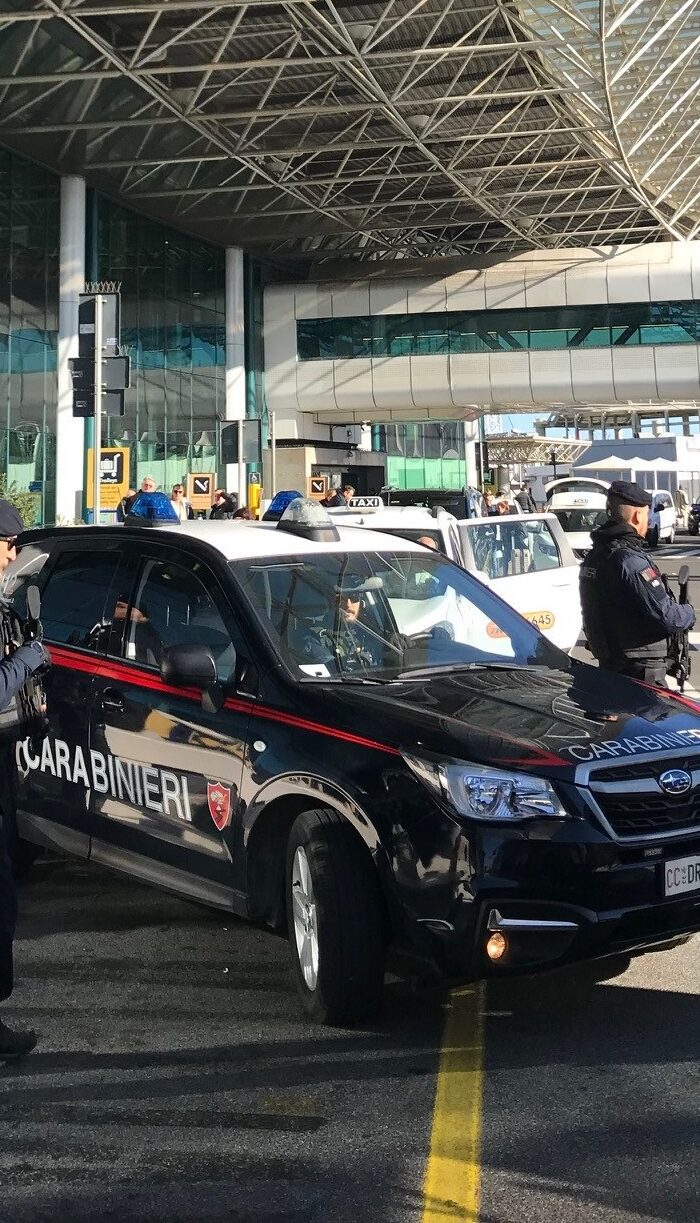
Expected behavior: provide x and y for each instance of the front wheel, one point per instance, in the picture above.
(335, 919)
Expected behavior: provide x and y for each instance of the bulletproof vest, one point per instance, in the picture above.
(22, 716)
(597, 623)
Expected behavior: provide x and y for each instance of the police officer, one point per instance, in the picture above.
(15, 670)
(627, 611)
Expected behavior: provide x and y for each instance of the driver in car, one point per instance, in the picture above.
(356, 644)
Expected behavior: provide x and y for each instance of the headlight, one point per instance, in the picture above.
(488, 794)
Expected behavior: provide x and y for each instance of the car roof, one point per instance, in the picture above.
(240, 540)
(408, 516)
(494, 518)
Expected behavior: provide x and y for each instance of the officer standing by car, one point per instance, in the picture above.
(627, 612)
(15, 670)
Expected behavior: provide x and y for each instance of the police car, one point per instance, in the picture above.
(525, 558)
(353, 738)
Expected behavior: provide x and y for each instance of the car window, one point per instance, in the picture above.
(581, 520)
(383, 614)
(511, 548)
(74, 599)
(172, 606)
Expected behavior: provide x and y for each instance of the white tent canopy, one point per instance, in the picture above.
(612, 463)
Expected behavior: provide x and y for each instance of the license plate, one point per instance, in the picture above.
(682, 875)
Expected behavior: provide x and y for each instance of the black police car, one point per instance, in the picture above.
(351, 735)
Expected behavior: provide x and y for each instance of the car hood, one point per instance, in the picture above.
(536, 719)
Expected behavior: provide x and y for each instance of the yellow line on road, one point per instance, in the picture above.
(451, 1185)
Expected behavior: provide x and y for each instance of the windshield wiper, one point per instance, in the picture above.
(420, 672)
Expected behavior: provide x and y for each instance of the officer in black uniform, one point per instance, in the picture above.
(627, 611)
(15, 670)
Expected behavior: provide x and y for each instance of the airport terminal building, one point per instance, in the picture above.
(377, 226)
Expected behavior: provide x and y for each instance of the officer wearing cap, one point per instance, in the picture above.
(15, 670)
(627, 611)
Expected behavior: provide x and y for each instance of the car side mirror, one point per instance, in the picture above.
(658, 506)
(189, 666)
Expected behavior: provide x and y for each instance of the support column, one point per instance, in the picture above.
(71, 283)
(235, 360)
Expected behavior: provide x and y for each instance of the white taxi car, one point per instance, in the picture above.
(524, 558)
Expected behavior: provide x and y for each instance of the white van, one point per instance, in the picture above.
(662, 518)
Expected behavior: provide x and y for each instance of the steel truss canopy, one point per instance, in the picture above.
(321, 130)
(506, 449)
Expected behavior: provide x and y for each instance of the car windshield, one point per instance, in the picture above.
(380, 615)
(581, 520)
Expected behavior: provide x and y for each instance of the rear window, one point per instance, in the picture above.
(74, 599)
(510, 548)
(580, 520)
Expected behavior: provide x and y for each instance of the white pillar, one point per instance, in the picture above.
(235, 359)
(71, 283)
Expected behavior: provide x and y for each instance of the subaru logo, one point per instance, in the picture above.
(675, 781)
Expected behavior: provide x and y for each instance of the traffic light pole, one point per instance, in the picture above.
(97, 433)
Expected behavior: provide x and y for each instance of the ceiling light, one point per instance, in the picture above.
(418, 122)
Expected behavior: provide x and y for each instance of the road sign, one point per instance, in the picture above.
(114, 475)
(110, 324)
(251, 431)
(254, 477)
(84, 403)
(317, 487)
(200, 487)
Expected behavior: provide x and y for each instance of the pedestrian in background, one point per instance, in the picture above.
(245, 514)
(525, 499)
(627, 612)
(224, 504)
(180, 504)
(15, 670)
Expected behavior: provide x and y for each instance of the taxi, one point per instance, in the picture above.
(525, 558)
(352, 739)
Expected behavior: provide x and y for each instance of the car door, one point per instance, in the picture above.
(55, 774)
(530, 565)
(168, 805)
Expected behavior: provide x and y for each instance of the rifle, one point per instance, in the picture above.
(678, 645)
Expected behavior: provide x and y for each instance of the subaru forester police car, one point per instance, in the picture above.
(351, 736)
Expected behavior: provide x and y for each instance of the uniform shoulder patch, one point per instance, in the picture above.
(649, 573)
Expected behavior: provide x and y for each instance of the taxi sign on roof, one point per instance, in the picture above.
(367, 502)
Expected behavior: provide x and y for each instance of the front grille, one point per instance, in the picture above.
(640, 815)
(646, 769)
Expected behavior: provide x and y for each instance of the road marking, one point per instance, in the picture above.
(452, 1174)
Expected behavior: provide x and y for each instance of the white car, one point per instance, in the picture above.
(662, 518)
(528, 561)
(578, 520)
(525, 558)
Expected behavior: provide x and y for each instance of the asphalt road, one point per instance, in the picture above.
(175, 1079)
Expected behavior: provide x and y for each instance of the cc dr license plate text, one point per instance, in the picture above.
(682, 875)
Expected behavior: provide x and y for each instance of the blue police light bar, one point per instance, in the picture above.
(278, 505)
(149, 509)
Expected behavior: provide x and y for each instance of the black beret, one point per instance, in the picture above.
(10, 520)
(629, 494)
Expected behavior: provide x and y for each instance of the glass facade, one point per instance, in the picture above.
(430, 454)
(456, 331)
(173, 327)
(29, 229)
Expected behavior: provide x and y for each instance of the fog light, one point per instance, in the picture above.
(496, 945)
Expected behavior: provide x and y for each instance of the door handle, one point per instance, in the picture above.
(111, 699)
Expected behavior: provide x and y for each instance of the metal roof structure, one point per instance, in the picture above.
(508, 448)
(325, 130)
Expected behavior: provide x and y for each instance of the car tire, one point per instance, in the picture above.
(653, 537)
(335, 920)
